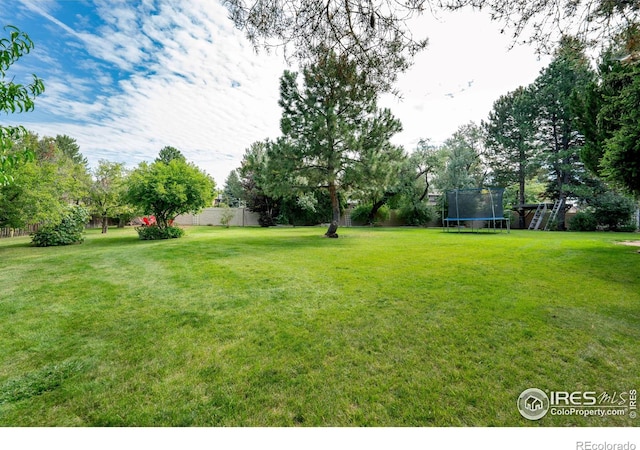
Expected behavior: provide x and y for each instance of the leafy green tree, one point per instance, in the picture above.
(107, 193)
(331, 129)
(464, 165)
(168, 154)
(556, 122)
(612, 210)
(428, 161)
(43, 187)
(14, 97)
(408, 185)
(166, 190)
(510, 141)
(254, 179)
(382, 180)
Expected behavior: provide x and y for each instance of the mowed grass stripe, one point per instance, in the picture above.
(280, 327)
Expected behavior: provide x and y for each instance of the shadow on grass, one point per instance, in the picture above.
(218, 242)
(7, 243)
(106, 240)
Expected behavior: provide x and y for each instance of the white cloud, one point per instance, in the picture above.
(202, 89)
(193, 81)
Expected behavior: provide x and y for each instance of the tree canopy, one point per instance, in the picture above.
(166, 190)
(510, 140)
(609, 116)
(543, 22)
(42, 187)
(464, 166)
(14, 98)
(107, 192)
(377, 34)
(169, 153)
(374, 34)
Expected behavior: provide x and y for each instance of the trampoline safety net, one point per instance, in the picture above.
(480, 204)
(475, 205)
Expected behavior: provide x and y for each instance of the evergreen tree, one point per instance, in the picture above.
(232, 191)
(332, 131)
(609, 116)
(556, 123)
(168, 154)
(510, 140)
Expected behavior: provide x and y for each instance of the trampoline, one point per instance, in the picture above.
(481, 208)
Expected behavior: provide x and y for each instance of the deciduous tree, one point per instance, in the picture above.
(107, 193)
(254, 179)
(166, 190)
(14, 98)
(464, 165)
(43, 187)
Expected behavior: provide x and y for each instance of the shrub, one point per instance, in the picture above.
(227, 216)
(305, 210)
(583, 221)
(360, 214)
(69, 231)
(266, 220)
(613, 211)
(154, 232)
(417, 214)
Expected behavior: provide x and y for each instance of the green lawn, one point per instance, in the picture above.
(281, 327)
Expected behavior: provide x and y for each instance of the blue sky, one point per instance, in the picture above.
(126, 78)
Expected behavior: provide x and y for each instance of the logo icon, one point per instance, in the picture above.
(533, 404)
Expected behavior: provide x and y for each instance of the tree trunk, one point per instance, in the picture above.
(377, 205)
(521, 196)
(335, 207)
(105, 224)
(561, 218)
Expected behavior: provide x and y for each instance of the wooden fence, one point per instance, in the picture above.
(17, 232)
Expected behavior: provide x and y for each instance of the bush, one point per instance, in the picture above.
(154, 232)
(613, 211)
(69, 231)
(360, 214)
(305, 210)
(227, 216)
(266, 220)
(417, 214)
(583, 221)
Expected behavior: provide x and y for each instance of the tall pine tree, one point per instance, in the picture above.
(556, 121)
(332, 132)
